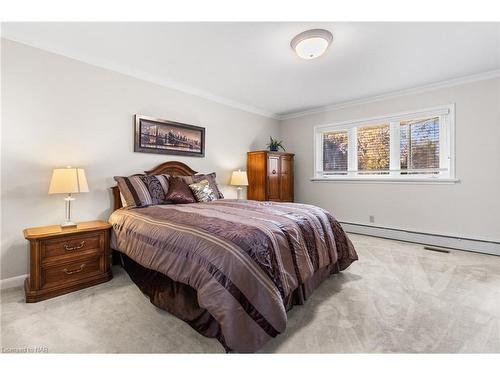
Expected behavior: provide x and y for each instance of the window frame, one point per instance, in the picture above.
(446, 114)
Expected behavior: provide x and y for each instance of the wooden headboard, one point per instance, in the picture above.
(173, 168)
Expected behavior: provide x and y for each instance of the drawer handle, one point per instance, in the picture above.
(67, 272)
(274, 171)
(74, 247)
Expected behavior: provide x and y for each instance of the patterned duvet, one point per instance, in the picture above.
(245, 259)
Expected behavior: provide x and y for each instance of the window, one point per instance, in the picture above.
(419, 145)
(335, 146)
(411, 146)
(373, 149)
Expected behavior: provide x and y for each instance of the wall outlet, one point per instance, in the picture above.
(371, 218)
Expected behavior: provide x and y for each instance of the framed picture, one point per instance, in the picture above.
(159, 136)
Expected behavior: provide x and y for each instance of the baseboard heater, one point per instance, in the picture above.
(431, 240)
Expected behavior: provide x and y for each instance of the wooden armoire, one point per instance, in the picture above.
(270, 176)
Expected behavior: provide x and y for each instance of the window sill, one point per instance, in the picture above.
(388, 180)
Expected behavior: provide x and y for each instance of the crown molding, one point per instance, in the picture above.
(135, 73)
(395, 94)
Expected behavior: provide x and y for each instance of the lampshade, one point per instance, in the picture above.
(68, 180)
(239, 178)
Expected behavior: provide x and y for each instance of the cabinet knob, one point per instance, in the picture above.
(274, 171)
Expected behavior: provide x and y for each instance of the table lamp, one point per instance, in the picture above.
(68, 181)
(239, 179)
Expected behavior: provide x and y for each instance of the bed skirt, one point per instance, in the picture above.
(181, 300)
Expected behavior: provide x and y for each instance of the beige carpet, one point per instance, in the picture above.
(397, 298)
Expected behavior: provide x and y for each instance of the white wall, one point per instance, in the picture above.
(470, 208)
(57, 112)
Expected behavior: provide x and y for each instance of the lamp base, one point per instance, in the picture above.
(239, 191)
(68, 224)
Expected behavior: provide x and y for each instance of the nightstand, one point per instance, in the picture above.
(63, 260)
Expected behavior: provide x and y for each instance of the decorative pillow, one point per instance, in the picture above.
(202, 191)
(211, 178)
(179, 192)
(158, 187)
(141, 190)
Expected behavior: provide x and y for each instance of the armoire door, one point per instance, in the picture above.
(286, 178)
(273, 178)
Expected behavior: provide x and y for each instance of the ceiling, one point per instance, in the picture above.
(251, 65)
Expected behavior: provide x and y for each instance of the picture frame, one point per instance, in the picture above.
(158, 136)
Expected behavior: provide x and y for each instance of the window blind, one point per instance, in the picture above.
(419, 145)
(373, 148)
(335, 151)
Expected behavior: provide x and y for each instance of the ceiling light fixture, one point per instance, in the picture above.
(311, 43)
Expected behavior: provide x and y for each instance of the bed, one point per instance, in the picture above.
(229, 268)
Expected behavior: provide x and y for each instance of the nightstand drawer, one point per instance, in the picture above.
(72, 245)
(73, 271)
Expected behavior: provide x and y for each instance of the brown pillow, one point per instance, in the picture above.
(179, 192)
